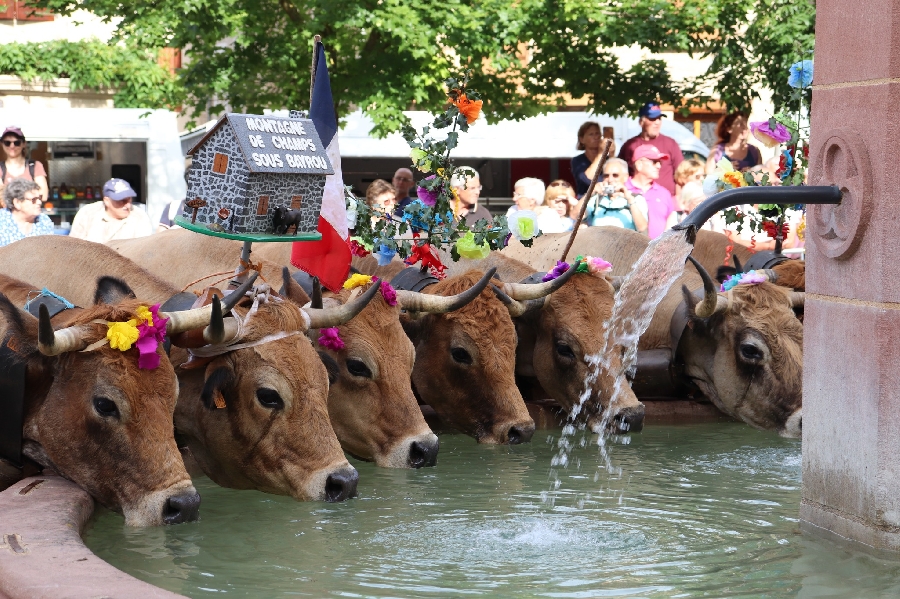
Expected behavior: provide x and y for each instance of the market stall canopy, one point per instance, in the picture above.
(546, 136)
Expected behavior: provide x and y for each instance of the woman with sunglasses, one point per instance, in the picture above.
(16, 163)
(22, 217)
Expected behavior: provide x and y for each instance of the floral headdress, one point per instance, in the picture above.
(751, 277)
(146, 331)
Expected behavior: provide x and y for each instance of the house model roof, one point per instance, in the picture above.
(272, 144)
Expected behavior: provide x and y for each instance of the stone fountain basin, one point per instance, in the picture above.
(41, 551)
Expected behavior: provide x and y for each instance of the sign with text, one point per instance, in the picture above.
(274, 144)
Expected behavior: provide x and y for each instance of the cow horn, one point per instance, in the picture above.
(413, 301)
(737, 264)
(770, 274)
(524, 291)
(712, 301)
(195, 318)
(798, 299)
(53, 343)
(321, 318)
(316, 300)
(515, 307)
(220, 329)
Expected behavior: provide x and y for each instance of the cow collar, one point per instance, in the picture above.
(413, 279)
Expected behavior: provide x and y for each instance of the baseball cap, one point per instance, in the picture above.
(14, 131)
(648, 151)
(650, 110)
(118, 189)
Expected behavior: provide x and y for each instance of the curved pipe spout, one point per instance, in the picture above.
(801, 194)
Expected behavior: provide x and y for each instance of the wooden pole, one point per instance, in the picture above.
(317, 39)
(587, 197)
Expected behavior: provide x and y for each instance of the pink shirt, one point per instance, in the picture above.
(659, 206)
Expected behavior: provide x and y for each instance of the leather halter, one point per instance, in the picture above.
(12, 382)
(413, 279)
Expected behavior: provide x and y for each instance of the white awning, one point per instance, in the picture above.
(546, 136)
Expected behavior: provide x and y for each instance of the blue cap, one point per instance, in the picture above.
(118, 189)
(650, 110)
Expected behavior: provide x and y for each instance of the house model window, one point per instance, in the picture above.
(220, 163)
(296, 201)
(263, 206)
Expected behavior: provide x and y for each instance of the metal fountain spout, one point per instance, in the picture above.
(801, 194)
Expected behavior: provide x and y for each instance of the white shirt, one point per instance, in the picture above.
(94, 224)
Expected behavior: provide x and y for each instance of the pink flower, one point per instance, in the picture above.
(768, 136)
(598, 266)
(388, 293)
(149, 338)
(331, 339)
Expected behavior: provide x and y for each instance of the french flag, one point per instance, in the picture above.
(329, 258)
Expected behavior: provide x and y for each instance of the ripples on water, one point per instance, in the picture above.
(702, 510)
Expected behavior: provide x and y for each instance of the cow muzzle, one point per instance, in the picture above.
(341, 484)
(184, 507)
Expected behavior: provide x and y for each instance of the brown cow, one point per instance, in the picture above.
(737, 386)
(273, 433)
(556, 340)
(93, 416)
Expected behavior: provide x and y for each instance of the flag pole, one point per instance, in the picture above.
(317, 39)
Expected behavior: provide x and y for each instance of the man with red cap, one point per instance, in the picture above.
(648, 161)
(650, 118)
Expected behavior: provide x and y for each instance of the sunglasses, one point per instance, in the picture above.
(12, 142)
(613, 175)
(35, 200)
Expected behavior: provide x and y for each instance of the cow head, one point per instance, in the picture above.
(744, 351)
(465, 365)
(560, 343)
(96, 418)
(370, 399)
(256, 416)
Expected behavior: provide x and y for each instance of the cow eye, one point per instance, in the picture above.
(358, 368)
(460, 355)
(751, 352)
(269, 398)
(565, 351)
(106, 407)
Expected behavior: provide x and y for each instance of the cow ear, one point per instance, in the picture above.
(291, 289)
(217, 392)
(723, 272)
(111, 290)
(331, 366)
(19, 329)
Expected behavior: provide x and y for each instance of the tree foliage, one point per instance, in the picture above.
(387, 56)
(137, 80)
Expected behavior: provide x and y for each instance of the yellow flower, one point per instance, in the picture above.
(145, 315)
(122, 335)
(356, 280)
(734, 178)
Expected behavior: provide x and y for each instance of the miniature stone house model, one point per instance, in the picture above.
(247, 165)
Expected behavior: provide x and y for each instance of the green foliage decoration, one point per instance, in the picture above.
(133, 74)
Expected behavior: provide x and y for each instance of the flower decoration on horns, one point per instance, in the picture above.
(146, 331)
(330, 338)
(357, 280)
(752, 277)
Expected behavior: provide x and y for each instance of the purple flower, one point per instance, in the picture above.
(429, 197)
(331, 339)
(559, 269)
(769, 136)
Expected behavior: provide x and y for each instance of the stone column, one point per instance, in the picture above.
(851, 374)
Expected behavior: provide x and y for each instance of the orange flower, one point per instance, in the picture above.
(468, 108)
(734, 178)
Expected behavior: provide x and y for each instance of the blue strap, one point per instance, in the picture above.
(47, 293)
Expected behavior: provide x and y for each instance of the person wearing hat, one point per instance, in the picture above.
(661, 215)
(113, 217)
(16, 163)
(650, 118)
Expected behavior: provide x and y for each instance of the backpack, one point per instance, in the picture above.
(3, 170)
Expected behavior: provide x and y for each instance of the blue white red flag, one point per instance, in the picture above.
(329, 258)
